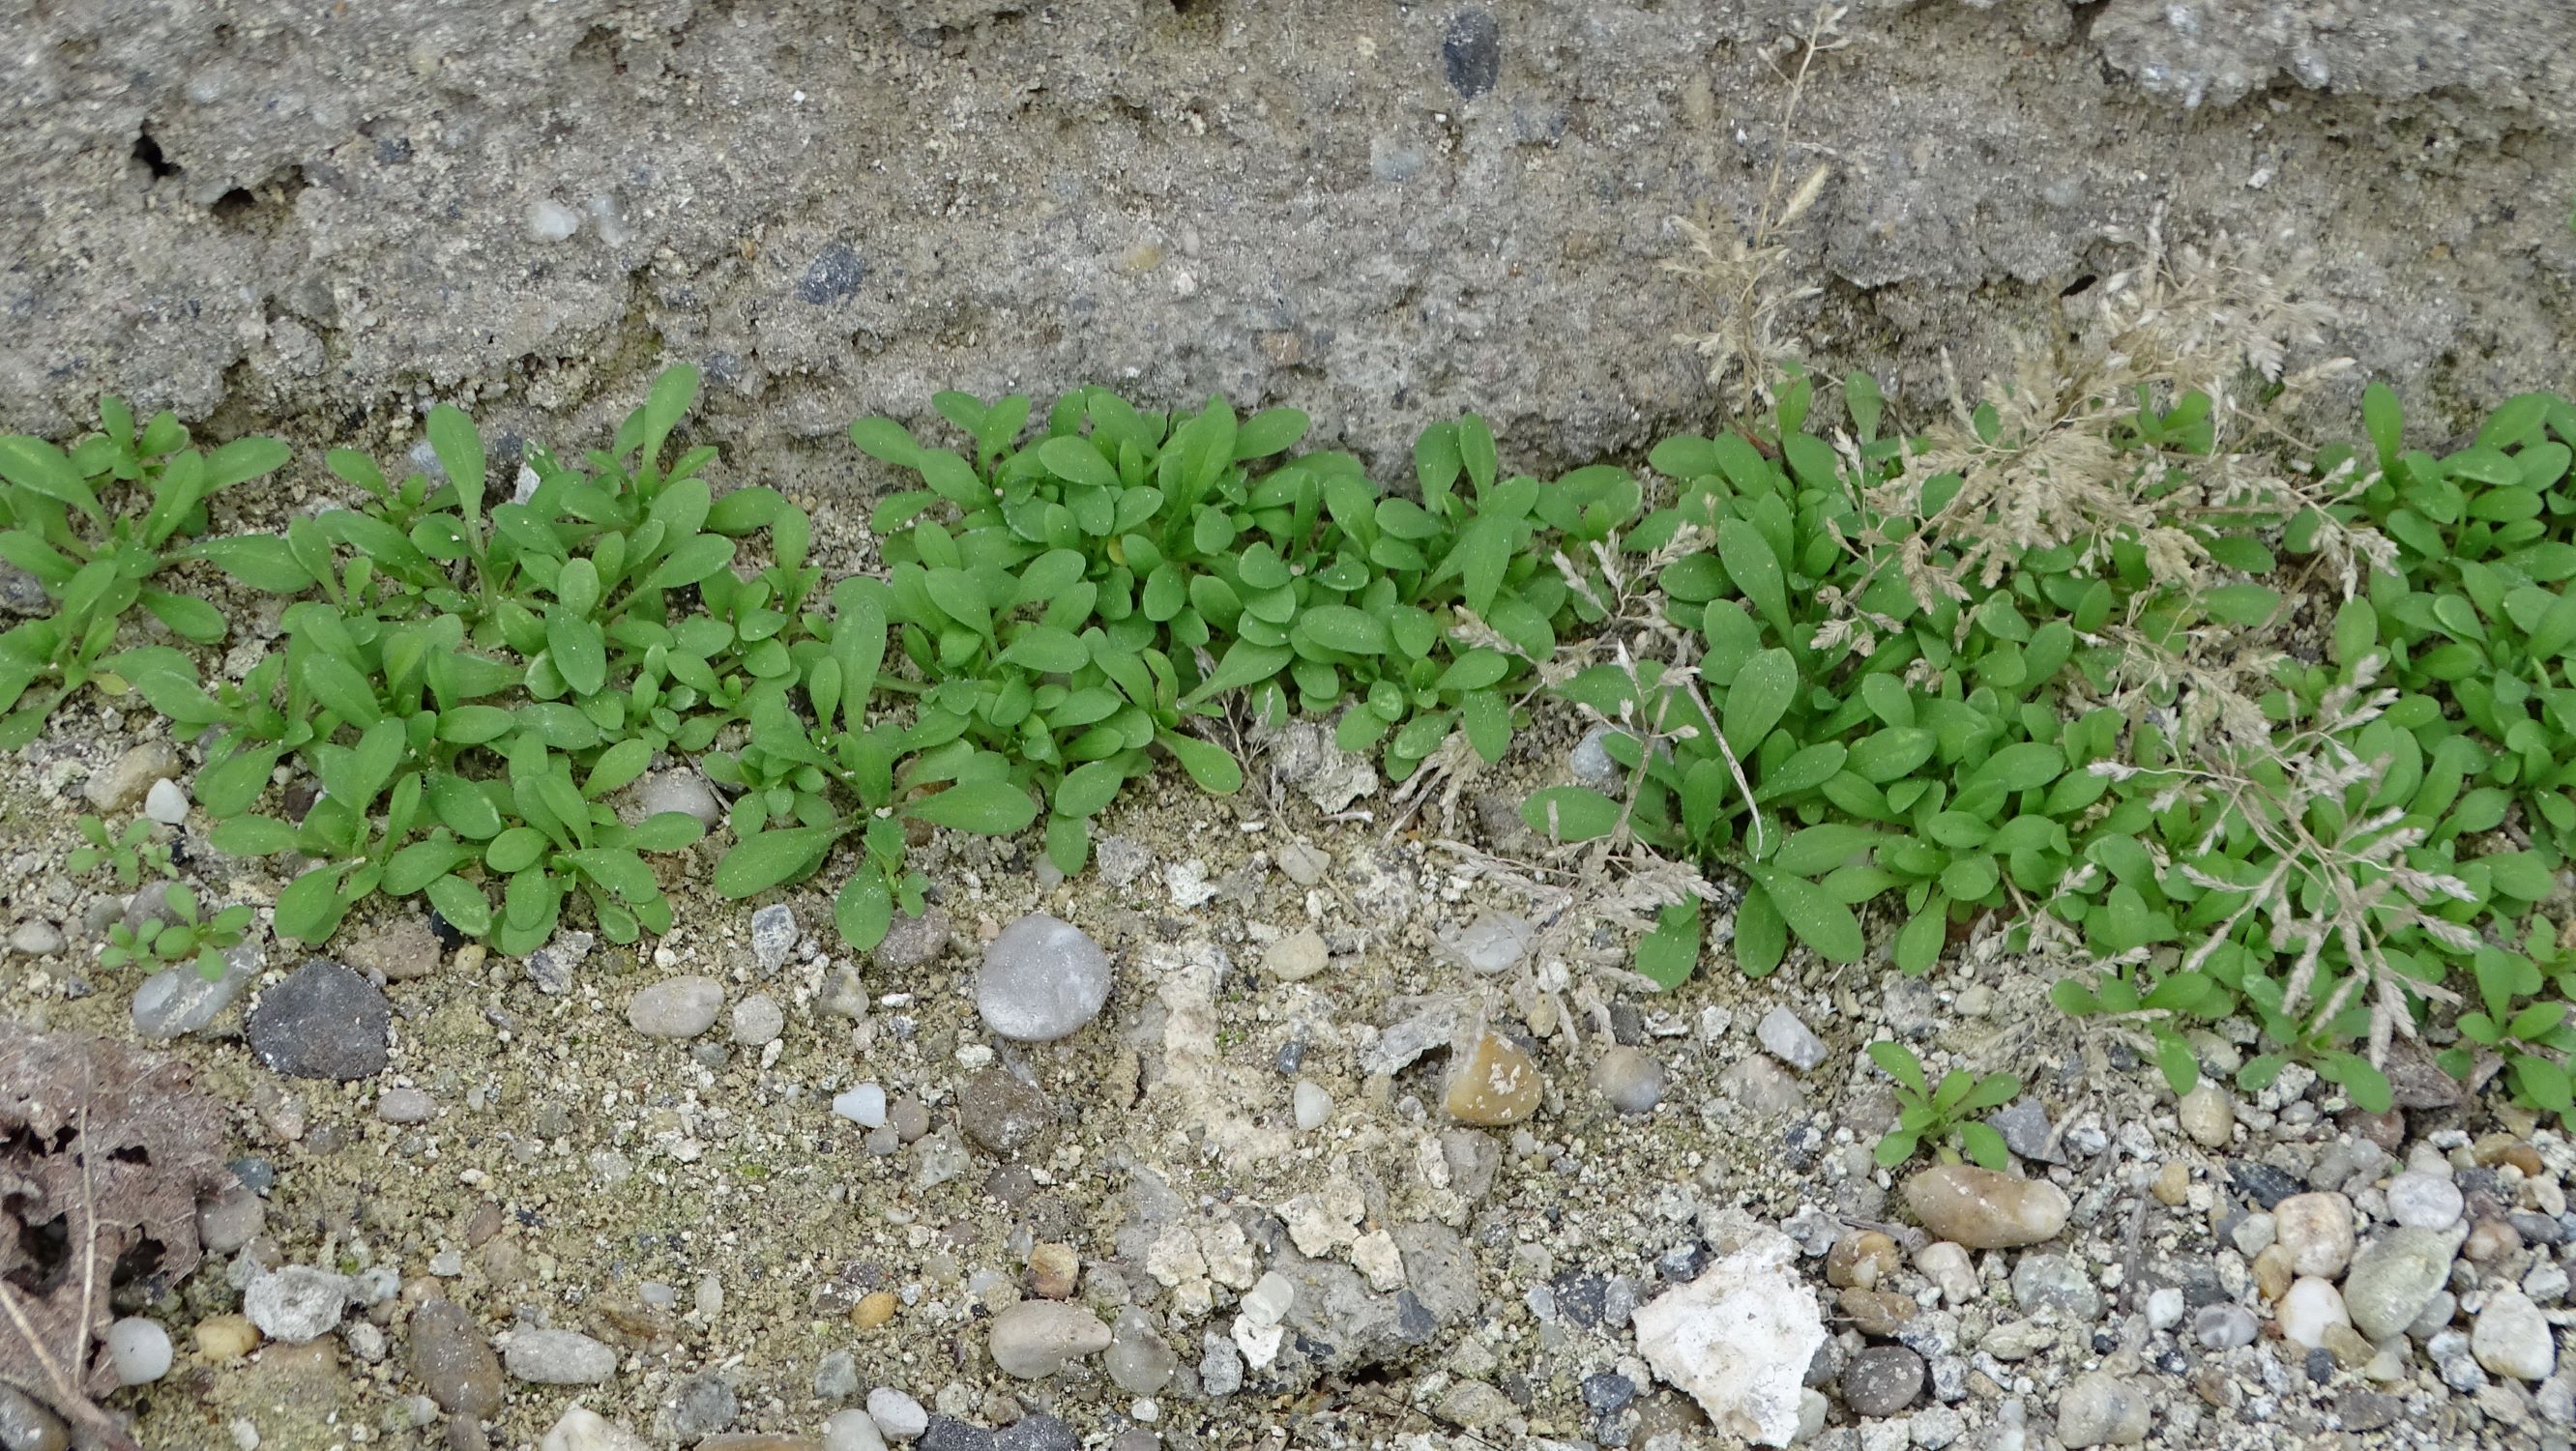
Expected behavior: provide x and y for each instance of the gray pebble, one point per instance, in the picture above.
(1790, 1040)
(1630, 1079)
(758, 1020)
(681, 791)
(1590, 761)
(296, 1304)
(2099, 1409)
(2224, 1327)
(678, 1007)
(1882, 1380)
(899, 1416)
(403, 1105)
(36, 937)
(1042, 979)
(559, 1357)
(773, 936)
(913, 941)
(2055, 1284)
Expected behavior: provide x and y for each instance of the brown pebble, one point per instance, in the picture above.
(2490, 1239)
(2497, 1149)
(1053, 1271)
(1860, 1261)
(485, 1224)
(1983, 1209)
(1492, 1082)
(1879, 1313)
(874, 1309)
(2273, 1271)
(2387, 1130)
(2350, 1348)
(2215, 1385)
(2173, 1183)
(222, 1338)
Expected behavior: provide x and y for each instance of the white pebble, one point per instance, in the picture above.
(2424, 1201)
(139, 1349)
(166, 803)
(899, 1416)
(1313, 1105)
(864, 1105)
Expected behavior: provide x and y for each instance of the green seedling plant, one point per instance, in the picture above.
(807, 786)
(127, 854)
(187, 935)
(1944, 1116)
(95, 526)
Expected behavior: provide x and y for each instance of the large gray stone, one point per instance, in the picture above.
(1042, 979)
(324, 1021)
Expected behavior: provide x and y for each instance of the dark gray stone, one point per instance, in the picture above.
(1037, 1431)
(1471, 54)
(324, 1021)
(1882, 1380)
(834, 276)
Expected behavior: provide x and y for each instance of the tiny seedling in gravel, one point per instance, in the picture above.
(1943, 1117)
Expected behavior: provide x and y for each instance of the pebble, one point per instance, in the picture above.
(697, 1407)
(1042, 979)
(1948, 1267)
(1860, 1261)
(2419, 1200)
(400, 952)
(1630, 1080)
(1311, 1104)
(1789, 1039)
(2512, 1337)
(2490, 1239)
(852, 1430)
(1304, 864)
(1038, 1431)
(36, 937)
(453, 1362)
(875, 1308)
(2100, 1409)
(2224, 1327)
(864, 1105)
(2165, 1305)
(296, 1304)
(758, 1020)
(773, 936)
(1002, 1114)
(1474, 1405)
(1220, 1366)
(139, 1349)
(1140, 1362)
(1035, 1338)
(2394, 1277)
(1494, 942)
(2311, 1308)
(1882, 1380)
(1491, 1083)
(405, 1105)
(911, 941)
(1296, 957)
(682, 791)
(676, 1007)
(583, 1429)
(1983, 1209)
(2026, 1131)
(2208, 1115)
(323, 1021)
(1054, 1270)
(2046, 1284)
(1764, 1087)
(1591, 762)
(2317, 1230)
(124, 783)
(559, 1357)
(166, 803)
(221, 1339)
(231, 1219)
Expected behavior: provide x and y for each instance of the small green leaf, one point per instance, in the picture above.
(1210, 765)
(1670, 953)
(993, 808)
(1821, 922)
(774, 857)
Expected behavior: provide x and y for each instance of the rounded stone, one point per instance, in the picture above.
(2393, 1279)
(1860, 1260)
(404, 1105)
(222, 1339)
(1311, 1104)
(684, 792)
(1042, 979)
(2224, 1327)
(139, 1349)
(2310, 1309)
(2208, 1115)
(124, 783)
(1002, 1114)
(2099, 1409)
(899, 1416)
(852, 1430)
(1983, 1209)
(1882, 1380)
(1140, 1362)
(758, 1020)
(323, 1021)
(2317, 1229)
(453, 1361)
(2512, 1337)
(1630, 1080)
(2417, 1200)
(1036, 1338)
(166, 803)
(678, 1007)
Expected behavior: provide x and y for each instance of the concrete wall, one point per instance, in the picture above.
(319, 216)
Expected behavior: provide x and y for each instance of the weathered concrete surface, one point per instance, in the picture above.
(319, 216)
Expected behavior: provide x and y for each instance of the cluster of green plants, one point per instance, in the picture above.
(1942, 1115)
(95, 527)
(127, 855)
(1868, 718)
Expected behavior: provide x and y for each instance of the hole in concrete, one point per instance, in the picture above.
(148, 151)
